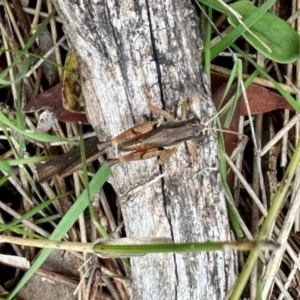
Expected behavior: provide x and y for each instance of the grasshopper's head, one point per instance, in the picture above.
(196, 127)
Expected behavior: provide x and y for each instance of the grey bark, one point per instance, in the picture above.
(123, 45)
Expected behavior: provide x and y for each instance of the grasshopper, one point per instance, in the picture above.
(146, 140)
(151, 139)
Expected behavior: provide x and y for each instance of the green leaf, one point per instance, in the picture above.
(229, 39)
(278, 35)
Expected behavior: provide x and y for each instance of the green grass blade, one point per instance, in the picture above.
(268, 223)
(35, 136)
(26, 63)
(33, 211)
(284, 93)
(65, 224)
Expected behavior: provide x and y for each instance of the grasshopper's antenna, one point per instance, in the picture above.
(226, 131)
(224, 108)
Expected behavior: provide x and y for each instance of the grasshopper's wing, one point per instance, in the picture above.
(129, 134)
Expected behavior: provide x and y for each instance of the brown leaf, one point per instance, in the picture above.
(261, 100)
(52, 101)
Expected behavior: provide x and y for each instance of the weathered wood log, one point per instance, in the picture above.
(123, 45)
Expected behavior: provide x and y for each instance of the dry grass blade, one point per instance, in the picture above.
(51, 199)
(275, 144)
(23, 197)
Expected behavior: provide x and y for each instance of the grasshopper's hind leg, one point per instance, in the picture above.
(136, 155)
(146, 154)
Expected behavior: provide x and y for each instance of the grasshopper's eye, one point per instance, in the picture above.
(195, 121)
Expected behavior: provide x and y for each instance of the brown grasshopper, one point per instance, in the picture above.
(151, 139)
(146, 140)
